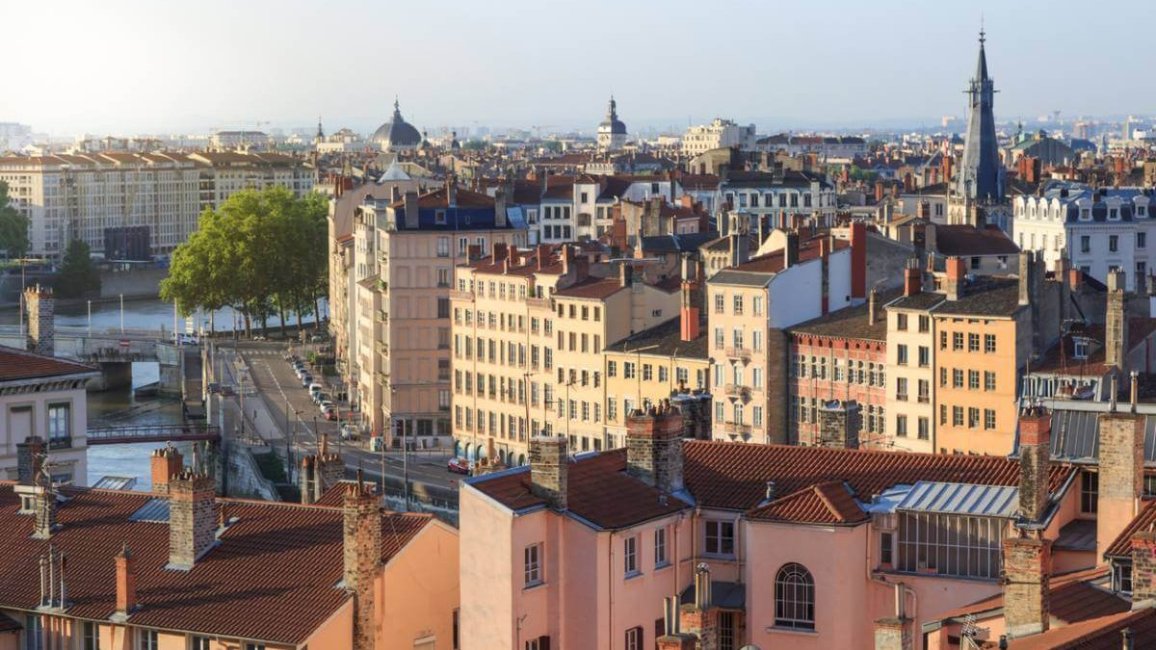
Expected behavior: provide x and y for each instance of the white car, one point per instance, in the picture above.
(326, 406)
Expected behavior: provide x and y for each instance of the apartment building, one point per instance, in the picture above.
(910, 373)
(719, 134)
(751, 304)
(180, 568)
(838, 361)
(156, 198)
(43, 405)
(419, 241)
(771, 545)
(780, 199)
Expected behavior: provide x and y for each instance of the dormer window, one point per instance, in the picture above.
(1080, 349)
(1113, 214)
(440, 217)
(1141, 210)
(1085, 214)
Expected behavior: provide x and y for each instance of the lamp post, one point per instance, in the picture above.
(89, 319)
(122, 313)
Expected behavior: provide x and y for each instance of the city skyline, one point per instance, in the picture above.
(264, 65)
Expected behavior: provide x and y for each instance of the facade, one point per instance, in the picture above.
(43, 399)
(1099, 231)
(719, 134)
(612, 131)
(910, 373)
(240, 140)
(92, 196)
(781, 199)
(830, 551)
(847, 146)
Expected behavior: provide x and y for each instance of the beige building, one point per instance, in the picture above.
(718, 134)
(910, 373)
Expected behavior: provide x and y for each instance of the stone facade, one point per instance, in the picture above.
(548, 468)
(891, 634)
(1035, 451)
(362, 557)
(839, 424)
(1027, 563)
(28, 459)
(192, 525)
(41, 309)
(1116, 323)
(1121, 478)
(1143, 566)
(654, 447)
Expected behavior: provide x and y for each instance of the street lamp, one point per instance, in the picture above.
(122, 313)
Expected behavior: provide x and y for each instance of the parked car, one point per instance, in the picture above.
(331, 414)
(326, 406)
(315, 387)
(321, 396)
(185, 339)
(458, 466)
(349, 432)
(306, 379)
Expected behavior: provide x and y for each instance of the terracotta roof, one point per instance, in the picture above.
(598, 490)
(1103, 633)
(851, 322)
(1074, 597)
(734, 475)
(826, 503)
(17, 364)
(273, 575)
(968, 241)
(1122, 545)
(599, 288)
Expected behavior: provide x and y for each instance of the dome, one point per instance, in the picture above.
(612, 124)
(396, 133)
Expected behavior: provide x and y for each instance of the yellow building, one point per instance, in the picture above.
(910, 372)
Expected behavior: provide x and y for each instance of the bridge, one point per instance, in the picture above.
(153, 433)
(103, 345)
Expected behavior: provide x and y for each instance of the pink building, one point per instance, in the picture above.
(769, 545)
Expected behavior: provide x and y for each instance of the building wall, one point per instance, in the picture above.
(490, 579)
(910, 407)
(664, 373)
(827, 368)
(735, 365)
(418, 590)
(17, 409)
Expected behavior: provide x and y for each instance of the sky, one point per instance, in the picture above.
(151, 66)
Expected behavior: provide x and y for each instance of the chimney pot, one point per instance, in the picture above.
(654, 447)
(126, 600)
(192, 524)
(361, 549)
(1035, 456)
(549, 467)
(166, 462)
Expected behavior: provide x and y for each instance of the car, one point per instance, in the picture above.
(349, 432)
(331, 414)
(185, 339)
(320, 397)
(315, 387)
(326, 406)
(316, 338)
(306, 379)
(458, 466)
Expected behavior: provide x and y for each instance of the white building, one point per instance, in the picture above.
(718, 134)
(612, 131)
(44, 397)
(1101, 230)
(778, 200)
(240, 140)
(88, 196)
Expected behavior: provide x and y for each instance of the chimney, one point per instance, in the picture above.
(689, 313)
(625, 274)
(40, 305)
(306, 479)
(44, 500)
(473, 252)
(328, 469)
(1026, 270)
(548, 469)
(912, 279)
(700, 618)
(1121, 479)
(1026, 566)
(29, 455)
(1116, 323)
(871, 298)
(858, 260)
(891, 633)
(1144, 565)
(125, 585)
(543, 255)
(672, 638)
(1075, 279)
(566, 259)
(839, 424)
(411, 210)
(953, 285)
(791, 250)
(165, 463)
(192, 526)
(1035, 454)
(500, 208)
(499, 252)
(654, 447)
(451, 192)
(361, 550)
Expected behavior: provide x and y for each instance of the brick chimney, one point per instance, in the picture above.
(871, 313)
(165, 463)
(1075, 279)
(858, 260)
(912, 279)
(500, 250)
(954, 283)
(192, 526)
(44, 500)
(1144, 565)
(1116, 323)
(543, 255)
(40, 305)
(654, 447)
(839, 424)
(328, 469)
(1035, 455)
(891, 633)
(689, 324)
(361, 549)
(1121, 479)
(411, 211)
(672, 637)
(548, 469)
(125, 585)
(1026, 565)
(28, 458)
(791, 250)
(700, 619)
(306, 479)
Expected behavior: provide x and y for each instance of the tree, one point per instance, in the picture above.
(78, 275)
(13, 227)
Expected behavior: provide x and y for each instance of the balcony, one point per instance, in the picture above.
(739, 354)
(735, 391)
(543, 303)
(737, 430)
(463, 296)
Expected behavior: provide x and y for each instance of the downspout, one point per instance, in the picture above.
(738, 547)
(610, 590)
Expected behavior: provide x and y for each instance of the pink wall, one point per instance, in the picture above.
(418, 590)
(487, 572)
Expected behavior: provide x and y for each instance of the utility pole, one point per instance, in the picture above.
(405, 461)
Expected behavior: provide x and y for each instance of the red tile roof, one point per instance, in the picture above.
(1103, 633)
(599, 288)
(1073, 598)
(734, 476)
(17, 364)
(273, 575)
(1122, 545)
(827, 503)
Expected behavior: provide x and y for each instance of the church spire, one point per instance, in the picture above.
(981, 176)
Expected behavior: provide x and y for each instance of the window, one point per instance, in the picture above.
(628, 371)
(901, 426)
(634, 638)
(647, 372)
(1141, 240)
(989, 343)
(1113, 243)
(90, 637)
(901, 389)
(660, 548)
(988, 380)
(443, 249)
(957, 378)
(611, 368)
(901, 322)
(540, 643)
(630, 556)
(924, 356)
(719, 338)
(943, 340)
(1122, 577)
(972, 417)
(924, 323)
(924, 428)
(146, 640)
(720, 537)
(757, 305)
(957, 416)
(951, 545)
(738, 305)
(1089, 493)
(973, 379)
(719, 303)
(794, 597)
(989, 419)
(901, 354)
(957, 341)
(924, 388)
(1085, 244)
(33, 633)
(533, 569)
(59, 429)
(973, 342)
(886, 548)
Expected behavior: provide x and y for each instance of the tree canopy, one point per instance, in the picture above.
(13, 226)
(262, 252)
(78, 276)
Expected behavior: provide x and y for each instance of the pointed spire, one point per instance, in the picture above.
(981, 65)
(396, 107)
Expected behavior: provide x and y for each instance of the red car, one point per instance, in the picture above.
(458, 466)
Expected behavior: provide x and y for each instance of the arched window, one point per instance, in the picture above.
(794, 597)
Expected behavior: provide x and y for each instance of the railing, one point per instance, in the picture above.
(543, 303)
(742, 354)
(736, 390)
(152, 433)
(733, 430)
(464, 296)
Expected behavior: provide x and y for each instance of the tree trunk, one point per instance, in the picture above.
(281, 309)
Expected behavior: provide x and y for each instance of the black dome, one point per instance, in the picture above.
(396, 132)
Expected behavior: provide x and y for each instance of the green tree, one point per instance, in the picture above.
(13, 226)
(78, 276)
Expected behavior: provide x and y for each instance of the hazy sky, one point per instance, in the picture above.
(127, 66)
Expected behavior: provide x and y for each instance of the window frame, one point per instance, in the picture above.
(794, 598)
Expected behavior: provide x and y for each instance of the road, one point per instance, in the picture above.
(276, 402)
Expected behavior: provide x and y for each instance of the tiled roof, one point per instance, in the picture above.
(598, 490)
(986, 297)
(1101, 633)
(1122, 546)
(851, 322)
(664, 340)
(591, 287)
(826, 503)
(17, 364)
(734, 475)
(1073, 598)
(968, 241)
(273, 575)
